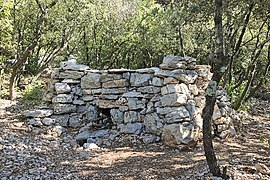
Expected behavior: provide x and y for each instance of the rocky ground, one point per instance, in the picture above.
(33, 153)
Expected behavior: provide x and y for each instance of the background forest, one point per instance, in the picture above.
(133, 34)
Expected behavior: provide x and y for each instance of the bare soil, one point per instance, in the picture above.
(27, 153)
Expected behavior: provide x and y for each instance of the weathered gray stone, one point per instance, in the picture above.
(135, 103)
(71, 81)
(82, 136)
(191, 108)
(76, 90)
(175, 88)
(150, 107)
(110, 77)
(91, 80)
(62, 98)
(117, 116)
(120, 70)
(102, 103)
(61, 88)
(123, 108)
(170, 80)
(185, 76)
(78, 102)
(145, 70)
(147, 139)
(149, 89)
(169, 59)
(71, 75)
(74, 121)
(115, 83)
(153, 124)
(91, 112)
(64, 108)
(109, 97)
(174, 99)
(70, 65)
(88, 98)
(38, 113)
(133, 94)
(137, 79)
(114, 90)
(156, 98)
(36, 122)
(86, 91)
(176, 134)
(48, 121)
(135, 128)
(178, 115)
(131, 117)
(157, 81)
(216, 113)
(61, 119)
(90, 146)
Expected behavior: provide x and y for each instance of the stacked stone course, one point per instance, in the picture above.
(157, 103)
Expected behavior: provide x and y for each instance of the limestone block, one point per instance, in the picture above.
(70, 65)
(191, 108)
(71, 75)
(115, 83)
(185, 76)
(176, 59)
(176, 134)
(117, 116)
(156, 98)
(62, 98)
(39, 113)
(153, 124)
(216, 113)
(110, 77)
(175, 88)
(114, 90)
(131, 117)
(71, 81)
(91, 80)
(91, 112)
(61, 119)
(193, 89)
(48, 121)
(78, 102)
(170, 80)
(135, 103)
(74, 121)
(86, 91)
(178, 115)
(109, 97)
(61, 88)
(131, 128)
(88, 98)
(149, 89)
(102, 103)
(64, 108)
(133, 94)
(137, 79)
(157, 81)
(174, 99)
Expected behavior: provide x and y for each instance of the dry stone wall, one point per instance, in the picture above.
(162, 103)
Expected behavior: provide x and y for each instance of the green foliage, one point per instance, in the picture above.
(33, 92)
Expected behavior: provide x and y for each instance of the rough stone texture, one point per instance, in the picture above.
(62, 98)
(130, 128)
(38, 113)
(154, 102)
(62, 88)
(91, 80)
(174, 100)
(64, 108)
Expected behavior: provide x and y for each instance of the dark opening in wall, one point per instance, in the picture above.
(104, 120)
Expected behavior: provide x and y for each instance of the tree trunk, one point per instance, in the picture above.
(219, 68)
(13, 84)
